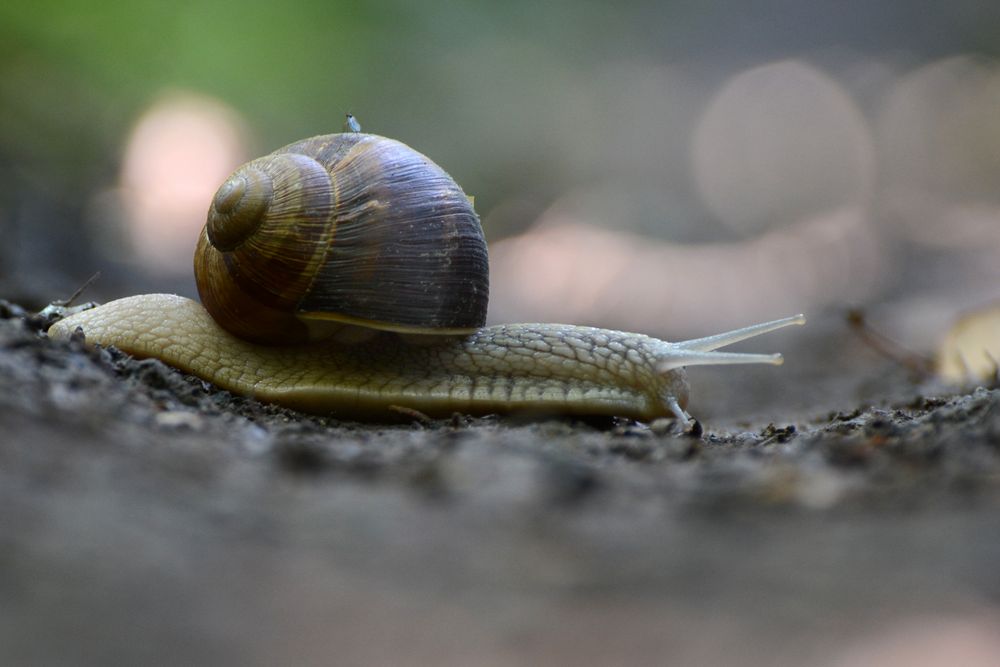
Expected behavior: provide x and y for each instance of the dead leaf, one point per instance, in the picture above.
(971, 348)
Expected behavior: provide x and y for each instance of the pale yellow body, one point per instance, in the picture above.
(539, 368)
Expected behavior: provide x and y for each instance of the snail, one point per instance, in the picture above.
(347, 274)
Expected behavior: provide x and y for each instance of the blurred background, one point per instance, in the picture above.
(669, 166)
(674, 167)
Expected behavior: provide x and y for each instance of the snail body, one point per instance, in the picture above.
(347, 274)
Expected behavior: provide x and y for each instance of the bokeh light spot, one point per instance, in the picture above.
(781, 142)
(176, 157)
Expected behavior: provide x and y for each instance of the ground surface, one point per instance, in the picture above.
(832, 512)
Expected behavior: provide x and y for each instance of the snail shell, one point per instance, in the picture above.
(342, 230)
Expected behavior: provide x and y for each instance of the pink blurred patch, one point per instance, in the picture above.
(181, 149)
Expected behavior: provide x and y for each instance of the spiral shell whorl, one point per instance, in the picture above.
(265, 237)
(239, 207)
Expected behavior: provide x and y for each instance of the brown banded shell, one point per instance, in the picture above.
(342, 229)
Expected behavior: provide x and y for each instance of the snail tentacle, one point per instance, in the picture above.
(709, 343)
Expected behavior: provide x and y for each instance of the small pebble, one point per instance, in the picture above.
(180, 419)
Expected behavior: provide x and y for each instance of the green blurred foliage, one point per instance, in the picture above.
(74, 75)
(258, 57)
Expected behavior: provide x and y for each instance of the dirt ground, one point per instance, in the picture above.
(832, 512)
